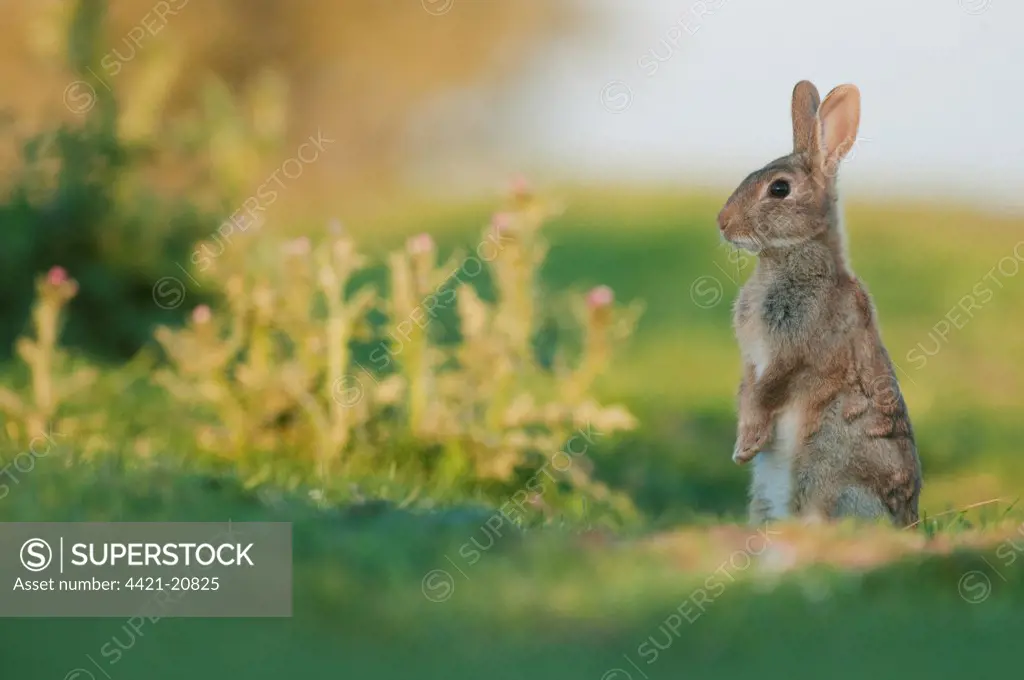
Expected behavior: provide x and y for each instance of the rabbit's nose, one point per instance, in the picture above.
(725, 217)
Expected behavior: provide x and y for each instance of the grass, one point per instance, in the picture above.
(673, 597)
(553, 603)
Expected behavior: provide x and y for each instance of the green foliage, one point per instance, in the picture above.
(66, 207)
(273, 375)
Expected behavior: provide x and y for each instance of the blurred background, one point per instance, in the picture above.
(228, 229)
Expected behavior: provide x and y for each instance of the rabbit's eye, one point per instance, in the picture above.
(779, 188)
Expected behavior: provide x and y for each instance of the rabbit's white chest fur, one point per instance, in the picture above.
(757, 354)
(773, 467)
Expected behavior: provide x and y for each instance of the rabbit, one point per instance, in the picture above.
(821, 414)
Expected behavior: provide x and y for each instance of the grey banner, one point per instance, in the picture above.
(158, 570)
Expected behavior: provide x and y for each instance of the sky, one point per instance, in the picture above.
(697, 93)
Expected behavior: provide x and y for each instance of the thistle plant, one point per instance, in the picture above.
(51, 383)
(271, 361)
(605, 327)
(201, 357)
(416, 290)
(345, 319)
(497, 405)
(275, 372)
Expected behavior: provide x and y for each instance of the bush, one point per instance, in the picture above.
(94, 196)
(107, 241)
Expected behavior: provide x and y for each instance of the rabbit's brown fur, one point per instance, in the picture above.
(820, 410)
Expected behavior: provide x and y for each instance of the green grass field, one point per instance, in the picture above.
(685, 593)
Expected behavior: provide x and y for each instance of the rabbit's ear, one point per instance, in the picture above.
(806, 129)
(840, 118)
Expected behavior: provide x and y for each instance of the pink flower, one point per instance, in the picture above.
(201, 314)
(419, 244)
(297, 247)
(57, 276)
(520, 187)
(600, 297)
(335, 227)
(502, 222)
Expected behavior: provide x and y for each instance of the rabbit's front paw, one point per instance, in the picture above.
(752, 438)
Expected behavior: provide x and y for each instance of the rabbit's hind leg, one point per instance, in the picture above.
(858, 502)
